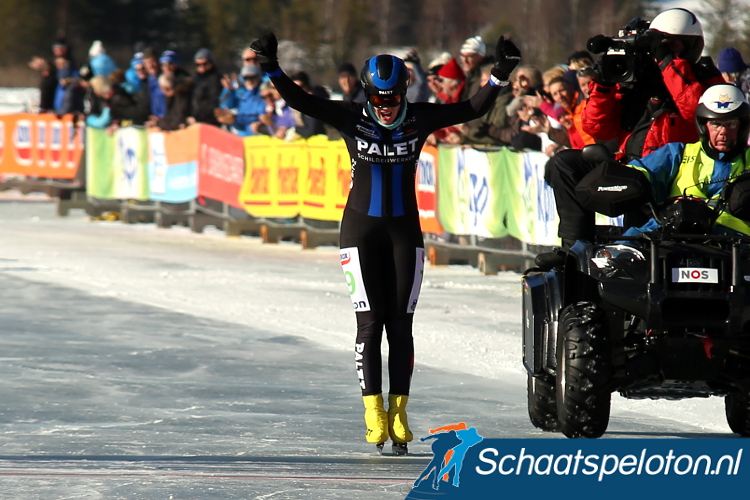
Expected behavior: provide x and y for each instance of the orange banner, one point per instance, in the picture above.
(40, 145)
(426, 181)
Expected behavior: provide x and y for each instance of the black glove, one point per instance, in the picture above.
(659, 46)
(599, 76)
(412, 56)
(507, 57)
(266, 47)
(598, 44)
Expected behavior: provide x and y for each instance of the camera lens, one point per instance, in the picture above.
(617, 68)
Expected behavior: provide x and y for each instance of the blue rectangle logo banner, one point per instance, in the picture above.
(465, 465)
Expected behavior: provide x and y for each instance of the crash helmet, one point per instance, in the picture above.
(723, 101)
(682, 25)
(384, 75)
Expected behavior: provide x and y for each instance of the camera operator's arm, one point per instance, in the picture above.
(684, 80)
(601, 116)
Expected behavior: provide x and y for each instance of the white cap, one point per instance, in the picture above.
(474, 45)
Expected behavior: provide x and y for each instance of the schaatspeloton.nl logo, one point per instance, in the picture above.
(467, 465)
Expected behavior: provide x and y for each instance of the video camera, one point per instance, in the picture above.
(626, 55)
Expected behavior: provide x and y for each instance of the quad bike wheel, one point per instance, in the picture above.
(584, 369)
(542, 403)
(737, 405)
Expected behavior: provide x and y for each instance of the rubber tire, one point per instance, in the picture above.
(584, 370)
(542, 402)
(737, 405)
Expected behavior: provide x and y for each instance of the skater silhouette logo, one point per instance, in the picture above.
(449, 447)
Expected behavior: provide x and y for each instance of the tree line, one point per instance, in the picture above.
(329, 32)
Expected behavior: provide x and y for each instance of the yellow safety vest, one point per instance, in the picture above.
(694, 177)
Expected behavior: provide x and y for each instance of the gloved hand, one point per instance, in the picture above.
(412, 56)
(266, 47)
(598, 44)
(507, 57)
(659, 46)
(599, 77)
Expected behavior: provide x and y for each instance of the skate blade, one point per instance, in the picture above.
(400, 449)
(379, 448)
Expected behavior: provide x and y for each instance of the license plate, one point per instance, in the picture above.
(695, 275)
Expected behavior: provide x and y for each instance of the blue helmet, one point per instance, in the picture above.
(385, 75)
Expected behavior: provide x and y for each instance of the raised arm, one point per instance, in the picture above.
(266, 47)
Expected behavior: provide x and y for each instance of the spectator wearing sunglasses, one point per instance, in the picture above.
(207, 88)
(382, 249)
(277, 119)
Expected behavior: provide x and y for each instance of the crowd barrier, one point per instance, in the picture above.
(487, 208)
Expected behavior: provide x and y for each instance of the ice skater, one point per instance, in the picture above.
(382, 249)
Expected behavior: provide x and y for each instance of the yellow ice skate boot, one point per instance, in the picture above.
(398, 425)
(376, 420)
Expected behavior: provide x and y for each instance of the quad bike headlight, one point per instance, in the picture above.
(619, 262)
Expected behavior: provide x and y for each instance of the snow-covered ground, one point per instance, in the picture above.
(465, 322)
(140, 362)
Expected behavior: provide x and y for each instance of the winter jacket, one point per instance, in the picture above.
(206, 96)
(178, 106)
(650, 114)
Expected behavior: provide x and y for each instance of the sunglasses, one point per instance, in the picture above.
(250, 59)
(587, 71)
(731, 124)
(202, 64)
(267, 96)
(391, 101)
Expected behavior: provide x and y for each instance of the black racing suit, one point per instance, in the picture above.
(382, 250)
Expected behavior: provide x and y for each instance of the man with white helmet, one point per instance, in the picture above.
(635, 117)
(701, 169)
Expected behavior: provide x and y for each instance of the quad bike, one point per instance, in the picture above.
(661, 315)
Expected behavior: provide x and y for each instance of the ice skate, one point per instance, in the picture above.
(400, 449)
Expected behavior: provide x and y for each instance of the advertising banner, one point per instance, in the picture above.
(471, 193)
(221, 164)
(272, 176)
(116, 164)
(531, 214)
(427, 172)
(173, 164)
(325, 184)
(496, 194)
(40, 145)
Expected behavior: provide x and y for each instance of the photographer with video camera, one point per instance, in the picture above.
(645, 93)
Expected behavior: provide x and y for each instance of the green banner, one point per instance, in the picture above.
(116, 165)
(471, 198)
(495, 194)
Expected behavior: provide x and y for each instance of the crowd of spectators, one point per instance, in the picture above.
(541, 110)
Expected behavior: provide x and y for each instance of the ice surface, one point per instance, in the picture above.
(139, 362)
